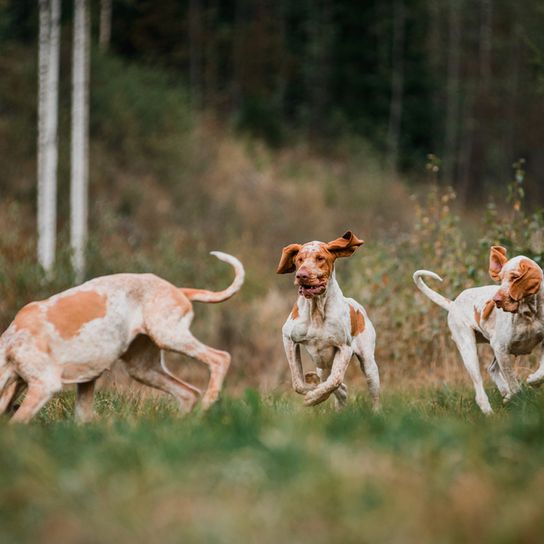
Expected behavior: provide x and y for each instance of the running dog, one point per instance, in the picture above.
(509, 317)
(330, 326)
(74, 336)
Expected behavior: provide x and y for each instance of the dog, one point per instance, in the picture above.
(330, 326)
(510, 318)
(74, 336)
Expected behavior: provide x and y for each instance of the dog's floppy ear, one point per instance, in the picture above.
(497, 259)
(528, 282)
(287, 260)
(345, 245)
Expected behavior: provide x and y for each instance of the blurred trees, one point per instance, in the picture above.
(460, 78)
(79, 173)
(48, 91)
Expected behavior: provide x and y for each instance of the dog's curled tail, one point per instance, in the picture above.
(437, 298)
(203, 295)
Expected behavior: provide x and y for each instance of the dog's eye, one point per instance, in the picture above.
(320, 258)
(514, 277)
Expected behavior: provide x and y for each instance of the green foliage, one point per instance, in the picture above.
(140, 114)
(269, 470)
(517, 229)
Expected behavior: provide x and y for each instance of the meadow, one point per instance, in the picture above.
(428, 468)
(168, 185)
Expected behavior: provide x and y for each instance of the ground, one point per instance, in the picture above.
(428, 468)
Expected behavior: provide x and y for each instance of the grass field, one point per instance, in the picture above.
(428, 468)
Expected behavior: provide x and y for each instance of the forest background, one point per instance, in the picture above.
(246, 125)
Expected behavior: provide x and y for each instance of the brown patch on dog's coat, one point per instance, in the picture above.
(357, 321)
(489, 305)
(29, 319)
(71, 312)
(294, 311)
(528, 282)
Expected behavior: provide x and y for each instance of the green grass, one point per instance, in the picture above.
(428, 468)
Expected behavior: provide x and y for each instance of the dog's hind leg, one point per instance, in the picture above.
(341, 396)
(506, 363)
(363, 348)
(218, 361)
(84, 411)
(537, 377)
(496, 375)
(465, 340)
(144, 362)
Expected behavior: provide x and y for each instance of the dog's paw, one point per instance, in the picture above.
(315, 396)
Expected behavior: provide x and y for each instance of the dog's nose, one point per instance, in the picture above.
(497, 299)
(303, 274)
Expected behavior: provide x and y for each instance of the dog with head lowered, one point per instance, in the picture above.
(510, 318)
(330, 326)
(75, 336)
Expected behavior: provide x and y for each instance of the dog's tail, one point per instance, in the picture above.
(203, 295)
(437, 298)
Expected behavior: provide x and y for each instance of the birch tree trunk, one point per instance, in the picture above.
(397, 84)
(105, 25)
(48, 83)
(79, 147)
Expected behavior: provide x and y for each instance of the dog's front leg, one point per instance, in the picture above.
(506, 364)
(292, 351)
(339, 366)
(537, 377)
(84, 411)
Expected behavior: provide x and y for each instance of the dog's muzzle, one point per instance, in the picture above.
(506, 303)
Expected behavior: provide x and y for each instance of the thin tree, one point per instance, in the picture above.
(195, 51)
(48, 83)
(80, 136)
(397, 84)
(486, 37)
(104, 36)
(452, 89)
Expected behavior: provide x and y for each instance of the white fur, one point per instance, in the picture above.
(144, 314)
(323, 327)
(509, 334)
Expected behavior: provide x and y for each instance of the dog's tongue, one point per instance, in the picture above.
(312, 291)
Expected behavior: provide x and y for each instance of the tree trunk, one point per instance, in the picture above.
(486, 29)
(79, 148)
(436, 50)
(195, 52)
(510, 146)
(48, 82)
(105, 25)
(471, 181)
(397, 84)
(320, 37)
(452, 91)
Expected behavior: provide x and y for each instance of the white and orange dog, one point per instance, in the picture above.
(330, 326)
(74, 336)
(510, 318)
